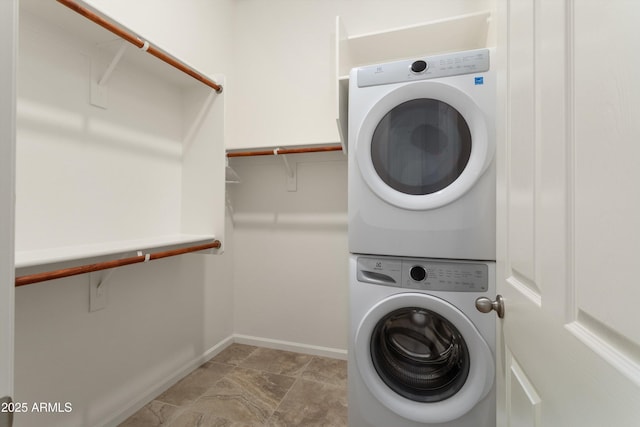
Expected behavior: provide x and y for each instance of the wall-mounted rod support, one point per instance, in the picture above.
(287, 166)
(73, 271)
(291, 172)
(114, 62)
(139, 43)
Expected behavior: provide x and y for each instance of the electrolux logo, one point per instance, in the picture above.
(479, 80)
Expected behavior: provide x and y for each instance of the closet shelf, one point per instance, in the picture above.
(290, 169)
(104, 265)
(34, 258)
(139, 42)
(463, 32)
(279, 151)
(102, 33)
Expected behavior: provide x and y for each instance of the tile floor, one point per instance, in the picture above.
(253, 386)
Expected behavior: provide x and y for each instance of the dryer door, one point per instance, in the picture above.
(423, 358)
(423, 145)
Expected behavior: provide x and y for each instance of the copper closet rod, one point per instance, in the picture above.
(285, 151)
(74, 271)
(142, 44)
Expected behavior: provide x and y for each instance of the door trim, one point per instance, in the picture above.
(8, 51)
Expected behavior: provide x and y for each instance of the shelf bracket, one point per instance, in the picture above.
(291, 172)
(197, 122)
(230, 175)
(98, 289)
(98, 285)
(99, 85)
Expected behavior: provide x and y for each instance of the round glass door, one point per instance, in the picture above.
(421, 146)
(422, 358)
(420, 354)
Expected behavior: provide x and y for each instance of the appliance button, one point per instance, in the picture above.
(418, 66)
(418, 273)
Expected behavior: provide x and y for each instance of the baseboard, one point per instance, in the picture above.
(168, 382)
(335, 353)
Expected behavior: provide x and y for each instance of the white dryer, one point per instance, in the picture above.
(420, 353)
(421, 157)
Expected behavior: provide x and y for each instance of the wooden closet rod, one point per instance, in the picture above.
(88, 268)
(285, 151)
(142, 44)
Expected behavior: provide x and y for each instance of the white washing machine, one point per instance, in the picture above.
(421, 157)
(420, 352)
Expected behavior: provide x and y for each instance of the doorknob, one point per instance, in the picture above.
(485, 305)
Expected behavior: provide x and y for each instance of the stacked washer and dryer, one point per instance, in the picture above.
(422, 242)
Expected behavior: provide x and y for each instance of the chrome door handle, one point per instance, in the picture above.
(485, 305)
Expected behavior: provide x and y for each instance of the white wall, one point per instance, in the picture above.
(284, 65)
(163, 318)
(290, 254)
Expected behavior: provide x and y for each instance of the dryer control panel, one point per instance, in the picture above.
(431, 67)
(424, 274)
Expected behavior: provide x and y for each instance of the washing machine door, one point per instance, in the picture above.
(423, 145)
(423, 358)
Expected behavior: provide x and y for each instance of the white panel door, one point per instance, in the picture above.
(569, 213)
(8, 47)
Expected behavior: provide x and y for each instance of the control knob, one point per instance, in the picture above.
(419, 66)
(418, 273)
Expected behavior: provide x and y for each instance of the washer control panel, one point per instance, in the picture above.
(431, 67)
(424, 274)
